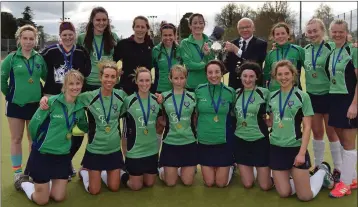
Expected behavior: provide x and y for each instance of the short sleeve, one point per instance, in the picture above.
(307, 105)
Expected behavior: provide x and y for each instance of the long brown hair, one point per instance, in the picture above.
(108, 39)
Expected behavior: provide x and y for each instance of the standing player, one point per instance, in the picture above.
(134, 52)
(142, 111)
(49, 164)
(196, 52)
(251, 134)
(317, 87)
(214, 103)
(290, 107)
(343, 69)
(284, 50)
(179, 149)
(20, 83)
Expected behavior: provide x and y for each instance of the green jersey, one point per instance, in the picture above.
(316, 73)
(179, 131)
(24, 85)
(342, 63)
(250, 111)
(288, 51)
(195, 60)
(141, 132)
(49, 128)
(163, 60)
(97, 45)
(106, 111)
(213, 126)
(286, 132)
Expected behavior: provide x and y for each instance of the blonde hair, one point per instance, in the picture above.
(108, 64)
(140, 70)
(71, 75)
(178, 68)
(321, 25)
(289, 65)
(339, 22)
(26, 27)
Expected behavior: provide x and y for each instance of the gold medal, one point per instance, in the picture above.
(31, 81)
(108, 128)
(280, 125)
(216, 118)
(68, 135)
(314, 75)
(179, 126)
(244, 124)
(334, 81)
(145, 131)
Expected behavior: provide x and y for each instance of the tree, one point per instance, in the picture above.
(81, 28)
(271, 13)
(26, 18)
(8, 26)
(325, 13)
(184, 30)
(231, 14)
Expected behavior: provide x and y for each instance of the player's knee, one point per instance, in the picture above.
(187, 182)
(221, 184)
(136, 186)
(266, 186)
(248, 184)
(94, 191)
(42, 201)
(209, 183)
(284, 194)
(170, 183)
(58, 198)
(304, 197)
(113, 188)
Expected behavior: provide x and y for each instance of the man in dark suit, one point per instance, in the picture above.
(246, 47)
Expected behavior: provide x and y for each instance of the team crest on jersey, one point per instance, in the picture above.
(153, 108)
(223, 102)
(290, 103)
(340, 58)
(38, 66)
(186, 104)
(115, 107)
(252, 100)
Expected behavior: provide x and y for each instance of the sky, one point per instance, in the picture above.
(121, 14)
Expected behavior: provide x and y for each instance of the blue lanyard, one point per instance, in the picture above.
(145, 116)
(107, 117)
(314, 58)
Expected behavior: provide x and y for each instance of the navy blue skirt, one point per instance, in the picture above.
(320, 103)
(219, 155)
(254, 153)
(179, 155)
(101, 162)
(143, 165)
(21, 112)
(339, 104)
(44, 167)
(283, 158)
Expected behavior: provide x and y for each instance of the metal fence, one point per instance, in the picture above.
(351, 18)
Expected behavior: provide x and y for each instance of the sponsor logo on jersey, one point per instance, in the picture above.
(57, 116)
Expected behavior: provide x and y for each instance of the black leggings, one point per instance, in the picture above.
(76, 145)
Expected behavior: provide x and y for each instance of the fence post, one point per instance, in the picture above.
(350, 22)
